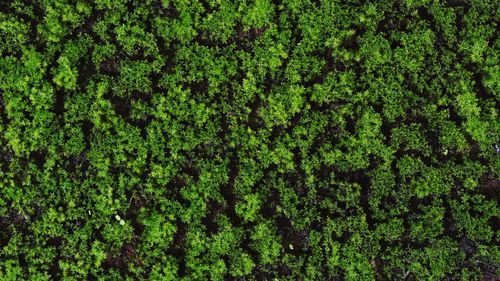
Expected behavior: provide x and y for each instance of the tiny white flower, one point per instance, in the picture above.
(118, 218)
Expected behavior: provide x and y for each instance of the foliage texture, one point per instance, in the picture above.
(249, 140)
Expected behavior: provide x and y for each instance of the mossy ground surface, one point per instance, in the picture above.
(249, 140)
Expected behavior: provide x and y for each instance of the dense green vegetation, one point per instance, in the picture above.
(249, 140)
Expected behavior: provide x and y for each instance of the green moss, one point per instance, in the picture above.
(249, 140)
